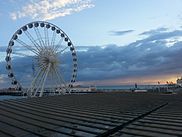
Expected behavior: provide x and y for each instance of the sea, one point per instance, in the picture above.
(7, 97)
(110, 88)
(127, 87)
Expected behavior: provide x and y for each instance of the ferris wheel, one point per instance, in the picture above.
(41, 58)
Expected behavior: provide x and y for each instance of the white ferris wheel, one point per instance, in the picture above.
(41, 58)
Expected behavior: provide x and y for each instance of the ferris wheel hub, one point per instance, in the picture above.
(48, 56)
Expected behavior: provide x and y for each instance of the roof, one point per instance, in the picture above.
(99, 114)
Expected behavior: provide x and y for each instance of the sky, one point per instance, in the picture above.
(117, 42)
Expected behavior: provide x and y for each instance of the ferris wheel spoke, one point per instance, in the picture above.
(27, 46)
(60, 81)
(58, 86)
(21, 54)
(53, 39)
(29, 36)
(52, 79)
(57, 82)
(44, 80)
(39, 82)
(46, 37)
(42, 66)
(32, 86)
(41, 42)
(62, 50)
(60, 77)
(58, 44)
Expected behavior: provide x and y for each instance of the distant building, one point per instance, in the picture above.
(84, 88)
(179, 81)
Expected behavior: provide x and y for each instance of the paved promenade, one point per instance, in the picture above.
(93, 115)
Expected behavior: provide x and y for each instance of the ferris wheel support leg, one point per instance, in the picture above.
(32, 87)
(39, 83)
(42, 88)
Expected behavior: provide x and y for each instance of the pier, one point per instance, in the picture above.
(93, 115)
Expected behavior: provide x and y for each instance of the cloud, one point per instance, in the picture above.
(51, 9)
(3, 48)
(23, 67)
(120, 33)
(146, 58)
(154, 31)
(4, 81)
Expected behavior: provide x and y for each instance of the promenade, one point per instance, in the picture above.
(93, 115)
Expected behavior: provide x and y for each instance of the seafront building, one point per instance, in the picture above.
(179, 81)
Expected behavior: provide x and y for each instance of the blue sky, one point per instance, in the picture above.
(127, 34)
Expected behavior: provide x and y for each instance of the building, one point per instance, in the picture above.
(179, 81)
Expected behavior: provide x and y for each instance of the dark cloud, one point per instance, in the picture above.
(144, 58)
(24, 68)
(120, 33)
